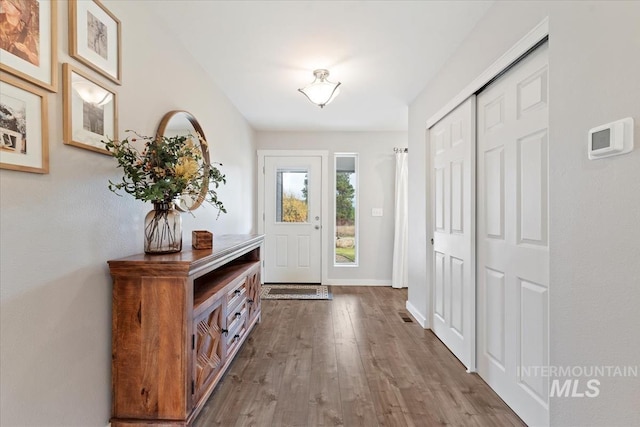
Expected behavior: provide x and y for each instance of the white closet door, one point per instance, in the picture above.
(452, 142)
(513, 237)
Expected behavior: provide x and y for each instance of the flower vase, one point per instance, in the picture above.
(163, 229)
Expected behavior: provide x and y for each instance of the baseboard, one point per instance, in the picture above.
(340, 282)
(416, 314)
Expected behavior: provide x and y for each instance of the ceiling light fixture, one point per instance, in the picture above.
(321, 91)
(91, 93)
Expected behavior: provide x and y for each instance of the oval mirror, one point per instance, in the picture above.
(180, 123)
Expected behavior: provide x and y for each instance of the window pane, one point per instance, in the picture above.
(292, 196)
(346, 209)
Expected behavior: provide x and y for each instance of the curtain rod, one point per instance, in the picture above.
(401, 150)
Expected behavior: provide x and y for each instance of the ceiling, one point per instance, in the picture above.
(383, 52)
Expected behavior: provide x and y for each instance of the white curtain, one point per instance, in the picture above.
(400, 275)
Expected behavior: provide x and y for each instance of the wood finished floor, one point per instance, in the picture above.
(351, 361)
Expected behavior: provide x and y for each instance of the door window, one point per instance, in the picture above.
(292, 196)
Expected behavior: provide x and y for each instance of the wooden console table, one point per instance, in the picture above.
(178, 321)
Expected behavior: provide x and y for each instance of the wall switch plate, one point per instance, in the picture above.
(376, 212)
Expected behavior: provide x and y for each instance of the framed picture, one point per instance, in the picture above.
(94, 38)
(28, 41)
(90, 111)
(24, 126)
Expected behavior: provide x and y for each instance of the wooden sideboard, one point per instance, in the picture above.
(178, 321)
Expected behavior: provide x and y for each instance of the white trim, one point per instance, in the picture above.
(473, 145)
(428, 160)
(356, 282)
(422, 321)
(324, 155)
(533, 37)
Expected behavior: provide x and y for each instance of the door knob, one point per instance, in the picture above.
(317, 218)
(317, 227)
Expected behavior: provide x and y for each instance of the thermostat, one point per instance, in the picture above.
(611, 139)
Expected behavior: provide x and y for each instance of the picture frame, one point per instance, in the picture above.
(95, 38)
(30, 49)
(90, 112)
(24, 126)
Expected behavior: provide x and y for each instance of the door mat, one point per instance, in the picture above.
(317, 292)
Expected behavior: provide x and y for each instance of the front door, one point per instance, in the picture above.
(292, 223)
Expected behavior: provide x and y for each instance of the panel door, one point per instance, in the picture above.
(293, 239)
(452, 142)
(513, 238)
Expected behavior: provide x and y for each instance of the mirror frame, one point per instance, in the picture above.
(162, 128)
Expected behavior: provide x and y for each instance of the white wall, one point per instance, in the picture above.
(594, 63)
(58, 230)
(376, 164)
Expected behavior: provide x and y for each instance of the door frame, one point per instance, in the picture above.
(530, 41)
(324, 201)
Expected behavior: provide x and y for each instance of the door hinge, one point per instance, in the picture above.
(263, 217)
(193, 342)
(193, 387)
(263, 170)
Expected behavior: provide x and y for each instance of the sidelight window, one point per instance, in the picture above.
(346, 210)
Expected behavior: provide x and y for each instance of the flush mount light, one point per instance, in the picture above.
(321, 91)
(91, 93)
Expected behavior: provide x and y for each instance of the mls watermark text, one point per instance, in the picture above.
(577, 381)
